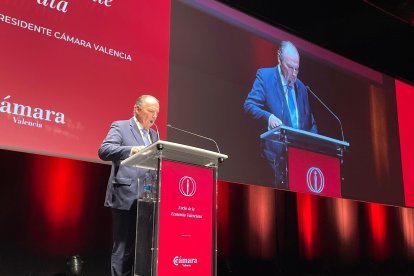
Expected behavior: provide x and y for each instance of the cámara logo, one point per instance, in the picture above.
(23, 113)
(315, 180)
(185, 262)
(187, 186)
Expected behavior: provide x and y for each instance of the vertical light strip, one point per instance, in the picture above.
(346, 221)
(307, 224)
(261, 217)
(223, 220)
(407, 226)
(58, 195)
(379, 131)
(377, 218)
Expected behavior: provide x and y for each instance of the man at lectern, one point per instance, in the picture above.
(124, 139)
(277, 98)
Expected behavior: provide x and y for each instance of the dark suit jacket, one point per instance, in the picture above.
(123, 185)
(267, 97)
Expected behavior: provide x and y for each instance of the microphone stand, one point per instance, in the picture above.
(330, 111)
(195, 134)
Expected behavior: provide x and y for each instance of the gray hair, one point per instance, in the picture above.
(284, 46)
(142, 98)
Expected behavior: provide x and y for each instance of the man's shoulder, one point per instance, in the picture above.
(267, 70)
(267, 74)
(122, 123)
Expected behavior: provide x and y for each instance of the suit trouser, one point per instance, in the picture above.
(123, 247)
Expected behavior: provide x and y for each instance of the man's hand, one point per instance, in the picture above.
(135, 150)
(274, 121)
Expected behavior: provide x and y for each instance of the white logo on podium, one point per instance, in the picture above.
(315, 180)
(185, 262)
(187, 186)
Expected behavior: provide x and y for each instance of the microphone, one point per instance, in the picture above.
(283, 105)
(158, 133)
(330, 111)
(195, 134)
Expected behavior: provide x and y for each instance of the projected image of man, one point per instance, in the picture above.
(277, 98)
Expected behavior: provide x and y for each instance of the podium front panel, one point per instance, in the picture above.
(311, 172)
(185, 234)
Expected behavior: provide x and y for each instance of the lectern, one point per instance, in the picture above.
(176, 228)
(312, 162)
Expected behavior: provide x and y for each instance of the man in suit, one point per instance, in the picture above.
(124, 139)
(277, 98)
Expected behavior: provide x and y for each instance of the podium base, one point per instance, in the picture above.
(144, 252)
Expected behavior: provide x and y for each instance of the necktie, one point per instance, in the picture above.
(145, 136)
(292, 107)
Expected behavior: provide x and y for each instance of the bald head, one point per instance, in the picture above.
(288, 57)
(287, 49)
(145, 98)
